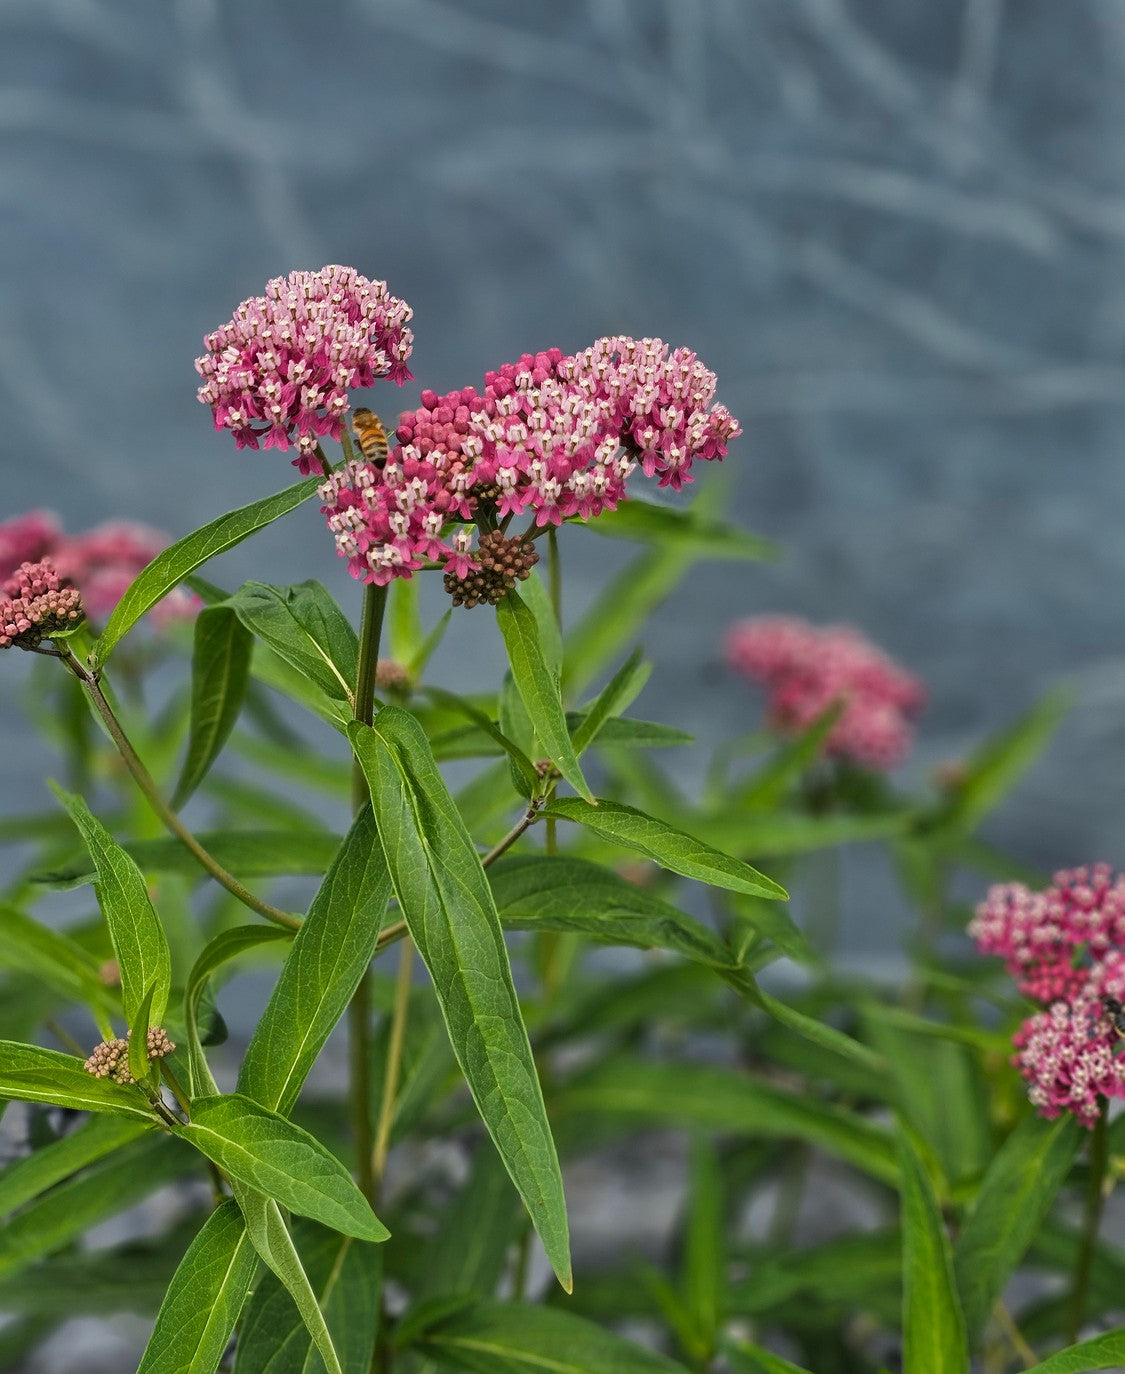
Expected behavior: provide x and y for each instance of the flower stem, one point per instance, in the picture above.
(394, 1061)
(1091, 1220)
(359, 1009)
(144, 780)
(528, 818)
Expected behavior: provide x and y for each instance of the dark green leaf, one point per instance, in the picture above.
(270, 1237)
(330, 954)
(722, 1099)
(538, 687)
(1102, 1352)
(514, 1338)
(247, 853)
(272, 1155)
(345, 1276)
(934, 1340)
(622, 688)
(139, 1064)
(449, 909)
(187, 554)
(220, 668)
(303, 625)
(31, 1074)
(138, 937)
(671, 848)
(229, 944)
(1014, 1196)
(674, 528)
(204, 1300)
(538, 892)
(523, 766)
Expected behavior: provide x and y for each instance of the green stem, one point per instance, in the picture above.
(554, 573)
(394, 1062)
(143, 778)
(528, 818)
(359, 1009)
(1091, 1220)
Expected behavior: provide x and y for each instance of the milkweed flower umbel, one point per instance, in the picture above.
(550, 436)
(279, 371)
(1065, 948)
(36, 604)
(805, 669)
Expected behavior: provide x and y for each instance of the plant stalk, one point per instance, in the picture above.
(1091, 1220)
(144, 780)
(394, 1062)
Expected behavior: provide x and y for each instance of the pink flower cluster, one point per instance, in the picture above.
(101, 563)
(553, 436)
(1065, 947)
(805, 670)
(280, 371)
(35, 604)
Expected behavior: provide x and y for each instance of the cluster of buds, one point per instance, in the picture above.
(110, 1058)
(805, 670)
(36, 604)
(101, 563)
(1065, 948)
(279, 371)
(500, 564)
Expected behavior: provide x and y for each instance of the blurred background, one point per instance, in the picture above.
(895, 231)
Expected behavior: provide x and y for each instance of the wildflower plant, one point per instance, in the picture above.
(499, 841)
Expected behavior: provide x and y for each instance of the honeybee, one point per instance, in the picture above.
(370, 435)
(1115, 1015)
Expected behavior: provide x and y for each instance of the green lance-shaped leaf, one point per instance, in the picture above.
(539, 688)
(330, 955)
(752, 1359)
(138, 937)
(220, 669)
(227, 945)
(535, 596)
(540, 892)
(1102, 1352)
(270, 1237)
(518, 1338)
(304, 626)
(31, 1074)
(448, 906)
(671, 848)
(934, 1340)
(1013, 1198)
(769, 785)
(204, 1299)
(345, 1277)
(703, 1278)
(191, 552)
(268, 1153)
(521, 764)
(673, 528)
(51, 956)
(97, 1137)
(622, 688)
(140, 1065)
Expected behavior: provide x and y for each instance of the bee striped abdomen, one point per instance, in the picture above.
(370, 435)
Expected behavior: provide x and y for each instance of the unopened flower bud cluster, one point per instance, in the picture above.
(37, 603)
(110, 1059)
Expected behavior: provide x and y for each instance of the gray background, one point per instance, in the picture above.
(894, 230)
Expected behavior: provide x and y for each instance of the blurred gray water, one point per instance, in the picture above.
(896, 232)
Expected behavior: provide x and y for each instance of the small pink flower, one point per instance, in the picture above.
(279, 372)
(806, 669)
(1069, 1057)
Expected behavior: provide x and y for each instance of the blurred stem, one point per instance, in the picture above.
(144, 781)
(359, 1009)
(1091, 1220)
(394, 1061)
(1007, 1324)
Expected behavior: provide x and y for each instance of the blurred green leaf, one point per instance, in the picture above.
(449, 909)
(95, 1138)
(1005, 1216)
(139, 942)
(538, 686)
(671, 848)
(203, 1302)
(768, 786)
(183, 557)
(933, 1325)
(517, 1338)
(50, 955)
(220, 670)
(754, 1360)
(703, 1275)
(676, 528)
(622, 688)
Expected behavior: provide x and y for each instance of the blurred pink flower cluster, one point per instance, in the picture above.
(280, 370)
(805, 669)
(550, 435)
(1065, 947)
(101, 563)
(36, 602)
